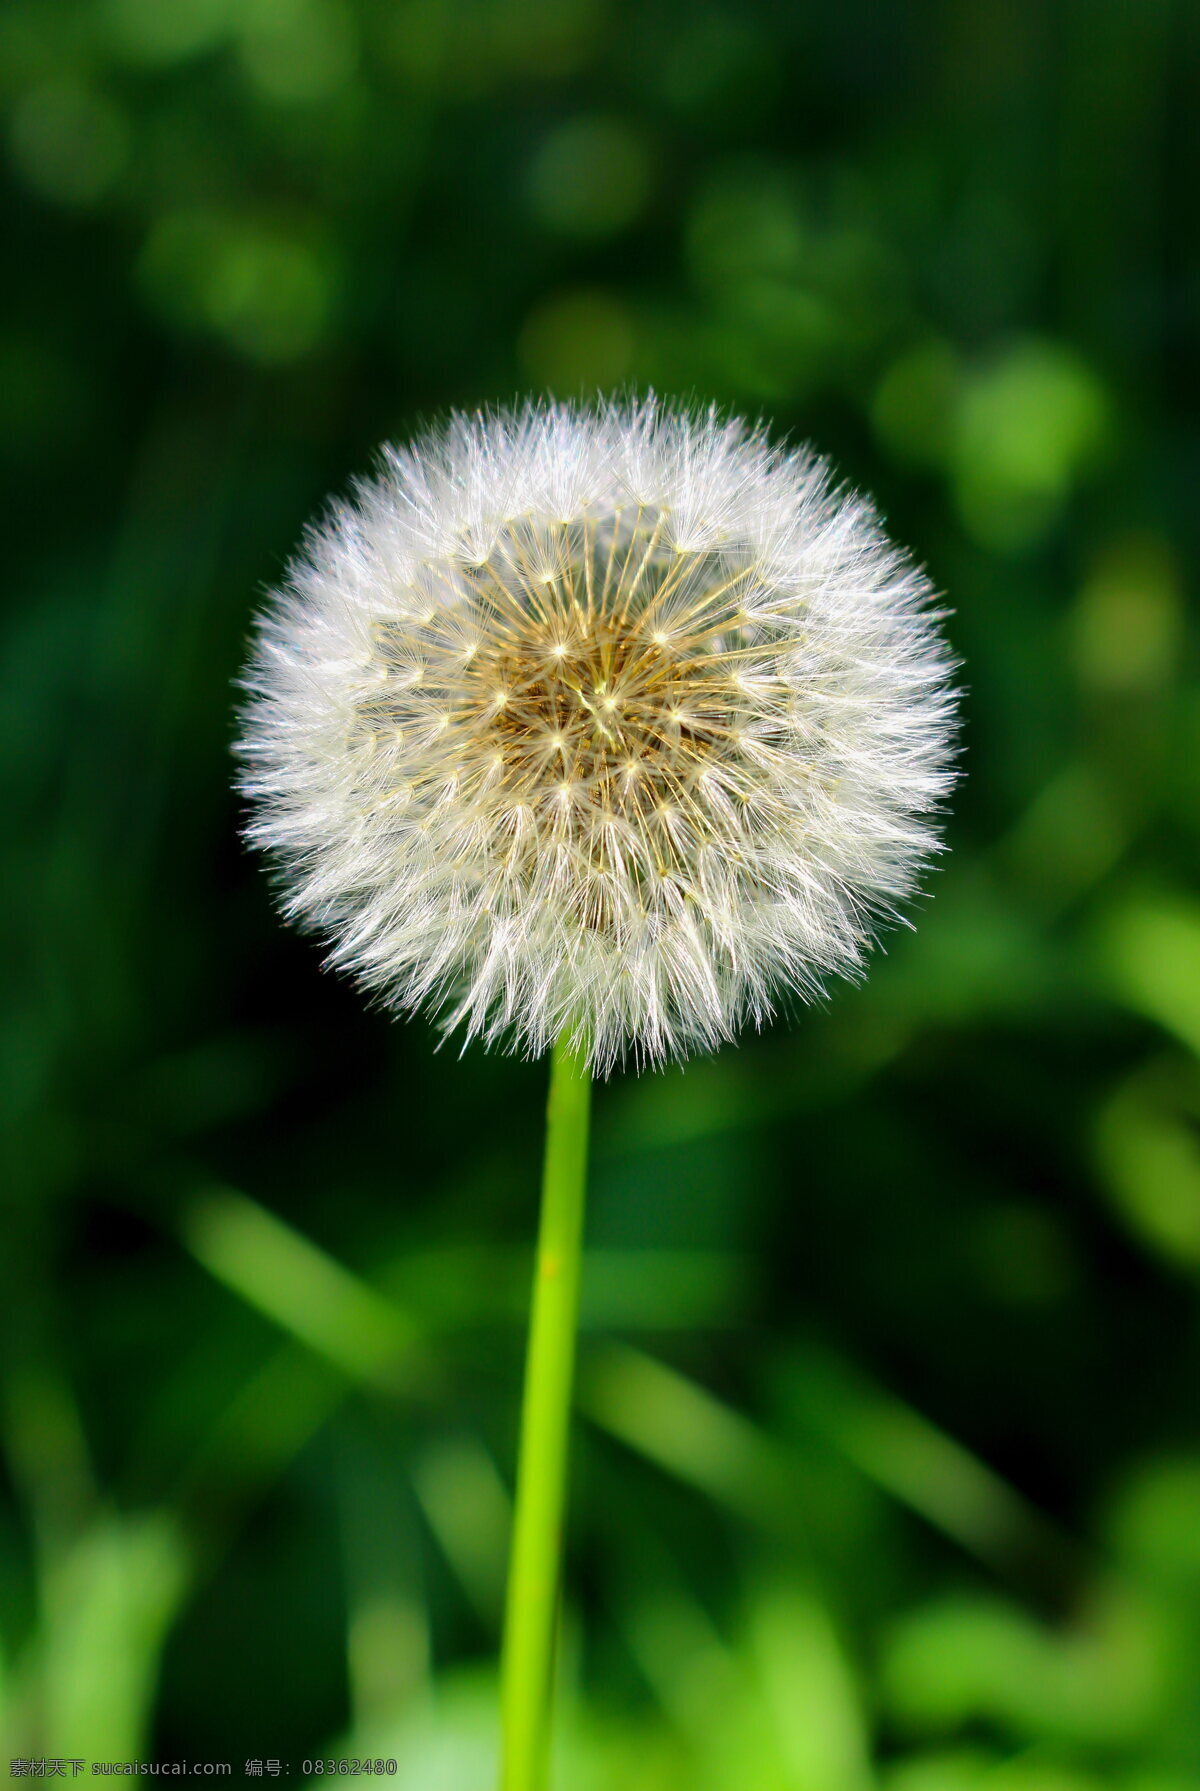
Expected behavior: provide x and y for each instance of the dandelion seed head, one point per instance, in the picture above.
(614, 720)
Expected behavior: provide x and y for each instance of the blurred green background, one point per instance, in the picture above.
(888, 1463)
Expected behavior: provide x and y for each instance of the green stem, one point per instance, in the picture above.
(531, 1610)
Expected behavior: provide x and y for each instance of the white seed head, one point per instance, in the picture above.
(614, 720)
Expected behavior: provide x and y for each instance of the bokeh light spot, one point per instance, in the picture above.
(550, 38)
(266, 291)
(1128, 622)
(591, 176)
(745, 223)
(1030, 426)
(1154, 1520)
(720, 66)
(577, 341)
(68, 141)
(801, 283)
(154, 31)
(298, 50)
(915, 403)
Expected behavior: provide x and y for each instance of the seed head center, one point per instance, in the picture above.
(587, 672)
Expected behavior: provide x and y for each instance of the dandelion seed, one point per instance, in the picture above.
(671, 718)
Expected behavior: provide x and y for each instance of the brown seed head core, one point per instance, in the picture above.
(587, 688)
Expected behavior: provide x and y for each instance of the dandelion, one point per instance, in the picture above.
(594, 730)
(610, 723)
